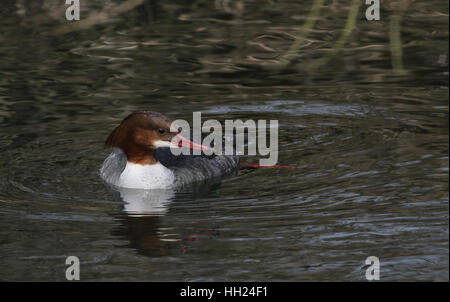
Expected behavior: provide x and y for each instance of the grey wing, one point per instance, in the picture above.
(199, 168)
(113, 166)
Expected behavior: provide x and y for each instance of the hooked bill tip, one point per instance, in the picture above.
(183, 142)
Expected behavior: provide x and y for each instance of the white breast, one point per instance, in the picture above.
(138, 176)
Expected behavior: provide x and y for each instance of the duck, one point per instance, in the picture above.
(141, 156)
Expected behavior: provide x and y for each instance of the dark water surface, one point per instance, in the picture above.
(366, 127)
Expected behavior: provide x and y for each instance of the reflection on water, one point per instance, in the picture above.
(144, 235)
(146, 202)
(367, 131)
(142, 211)
(140, 225)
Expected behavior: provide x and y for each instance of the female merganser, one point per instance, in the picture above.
(142, 158)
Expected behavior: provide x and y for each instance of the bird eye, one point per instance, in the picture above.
(161, 130)
(179, 129)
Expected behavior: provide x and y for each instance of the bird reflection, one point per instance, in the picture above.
(140, 203)
(143, 213)
(141, 219)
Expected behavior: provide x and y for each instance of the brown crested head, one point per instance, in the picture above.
(139, 134)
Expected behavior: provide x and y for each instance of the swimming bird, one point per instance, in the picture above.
(141, 158)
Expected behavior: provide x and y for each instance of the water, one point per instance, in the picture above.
(370, 143)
